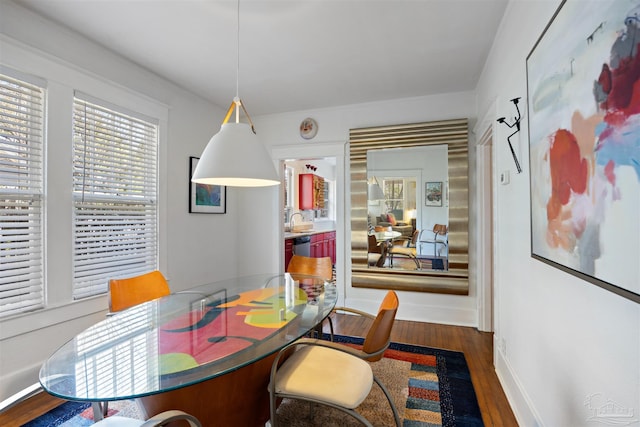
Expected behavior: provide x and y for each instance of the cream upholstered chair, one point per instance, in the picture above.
(334, 374)
(405, 247)
(125, 293)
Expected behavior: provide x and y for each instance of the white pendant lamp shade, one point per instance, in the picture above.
(235, 157)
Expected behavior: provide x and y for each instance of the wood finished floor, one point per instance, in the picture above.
(476, 346)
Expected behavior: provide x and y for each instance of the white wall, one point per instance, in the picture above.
(280, 132)
(190, 252)
(559, 340)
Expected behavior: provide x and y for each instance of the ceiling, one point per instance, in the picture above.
(294, 54)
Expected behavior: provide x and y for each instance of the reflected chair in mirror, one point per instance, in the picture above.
(405, 248)
(377, 252)
(321, 267)
(125, 293)
(438, 239)
(334, 374)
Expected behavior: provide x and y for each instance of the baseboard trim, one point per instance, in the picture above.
(521, 405)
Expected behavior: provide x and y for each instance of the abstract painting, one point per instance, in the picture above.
(205, 198)
(583, 84)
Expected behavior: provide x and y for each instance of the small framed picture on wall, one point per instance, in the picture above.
(205, 198)
(433, 193)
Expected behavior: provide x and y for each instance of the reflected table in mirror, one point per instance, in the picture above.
(207, 351)
(382, 236)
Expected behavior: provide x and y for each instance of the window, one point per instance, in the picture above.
(114, 193)
(21, 195)
(393, 189)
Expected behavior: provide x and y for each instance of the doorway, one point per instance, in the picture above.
(328, 153)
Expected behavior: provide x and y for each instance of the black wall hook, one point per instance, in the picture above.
(516, 123)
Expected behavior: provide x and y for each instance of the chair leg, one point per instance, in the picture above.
(330, 327)
(99, 410)
(418, 265)
(272, 407)
(393, 406)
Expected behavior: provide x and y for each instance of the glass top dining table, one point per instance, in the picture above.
(187, 337)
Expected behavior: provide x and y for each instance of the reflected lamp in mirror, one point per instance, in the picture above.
(375, 191)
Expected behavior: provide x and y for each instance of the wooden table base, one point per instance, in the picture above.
(239, 398)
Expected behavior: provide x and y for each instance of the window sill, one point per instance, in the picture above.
(49, 316)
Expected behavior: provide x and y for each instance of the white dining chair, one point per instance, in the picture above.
(159, 420)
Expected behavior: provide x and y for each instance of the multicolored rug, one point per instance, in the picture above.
(430, 387)
(80, 414)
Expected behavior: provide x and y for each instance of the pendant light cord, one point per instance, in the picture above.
(238, 55)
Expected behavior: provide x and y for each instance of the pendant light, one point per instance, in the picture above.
(235, 156)
(374, 190)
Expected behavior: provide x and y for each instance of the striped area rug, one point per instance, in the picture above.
(430, 387)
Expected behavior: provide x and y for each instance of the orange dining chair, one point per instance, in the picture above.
(125, 293)
(320, 267)
(334, 374)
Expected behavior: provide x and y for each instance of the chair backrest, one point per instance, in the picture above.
(414, 237)
(379, 335)
(320, 267)
(374, 248)
(440, 229)
(125, 293)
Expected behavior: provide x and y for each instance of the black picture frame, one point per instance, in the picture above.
(203, 198)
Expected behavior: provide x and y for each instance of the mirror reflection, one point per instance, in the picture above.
(407, 208)
(434, 155)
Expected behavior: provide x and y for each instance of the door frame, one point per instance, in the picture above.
(485, 223)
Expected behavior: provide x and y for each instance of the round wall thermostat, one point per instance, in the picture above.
(308, 128)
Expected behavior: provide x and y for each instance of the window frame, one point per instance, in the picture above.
(115, 202)
(22, 187)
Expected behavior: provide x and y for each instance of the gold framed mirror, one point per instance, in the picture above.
(454, 135)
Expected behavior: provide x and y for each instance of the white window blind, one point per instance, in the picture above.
(21, 196)
(115, 195)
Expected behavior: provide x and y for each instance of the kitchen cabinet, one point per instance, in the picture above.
(324, 245)
(310, 191)
(321, 245)
(288, 252)
(331, 245)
